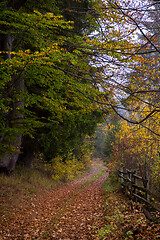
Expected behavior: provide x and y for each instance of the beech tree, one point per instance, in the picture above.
(36, 90)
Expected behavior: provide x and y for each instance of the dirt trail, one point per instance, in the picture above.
(73, 211)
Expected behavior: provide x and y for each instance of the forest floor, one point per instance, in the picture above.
(76, 210)
(71, 211)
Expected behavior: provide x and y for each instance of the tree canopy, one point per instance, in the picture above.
(65, 64)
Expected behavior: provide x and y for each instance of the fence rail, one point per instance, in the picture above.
(137, 188)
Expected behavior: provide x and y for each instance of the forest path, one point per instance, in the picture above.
(72, 211)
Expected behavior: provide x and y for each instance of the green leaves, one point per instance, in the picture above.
(49, 60)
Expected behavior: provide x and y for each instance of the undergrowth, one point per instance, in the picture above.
(111, 184)
(123, 219)
(21, 185)
(26, 177)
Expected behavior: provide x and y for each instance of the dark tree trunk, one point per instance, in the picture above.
(14, 117)
(15, 91)
(8, 160)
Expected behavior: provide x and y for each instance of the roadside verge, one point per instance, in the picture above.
(123, 219)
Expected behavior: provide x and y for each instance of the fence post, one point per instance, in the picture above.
(130, 183)
(147, 186)
(134, 186)
(121, 176)
(125, 189)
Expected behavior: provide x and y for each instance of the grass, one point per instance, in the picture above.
(22, 185)
(123, 219)
(111, 184)
(26, 178)
(95, 177)
(115, 206)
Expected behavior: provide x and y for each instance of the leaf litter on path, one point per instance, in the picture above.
(73, 211)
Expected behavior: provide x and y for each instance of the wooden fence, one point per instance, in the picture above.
(137, 188)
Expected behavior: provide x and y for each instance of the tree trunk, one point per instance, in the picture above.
(15, 89)
(8, 160)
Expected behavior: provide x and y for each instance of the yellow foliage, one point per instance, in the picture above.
(66, 169)
(137, 146)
